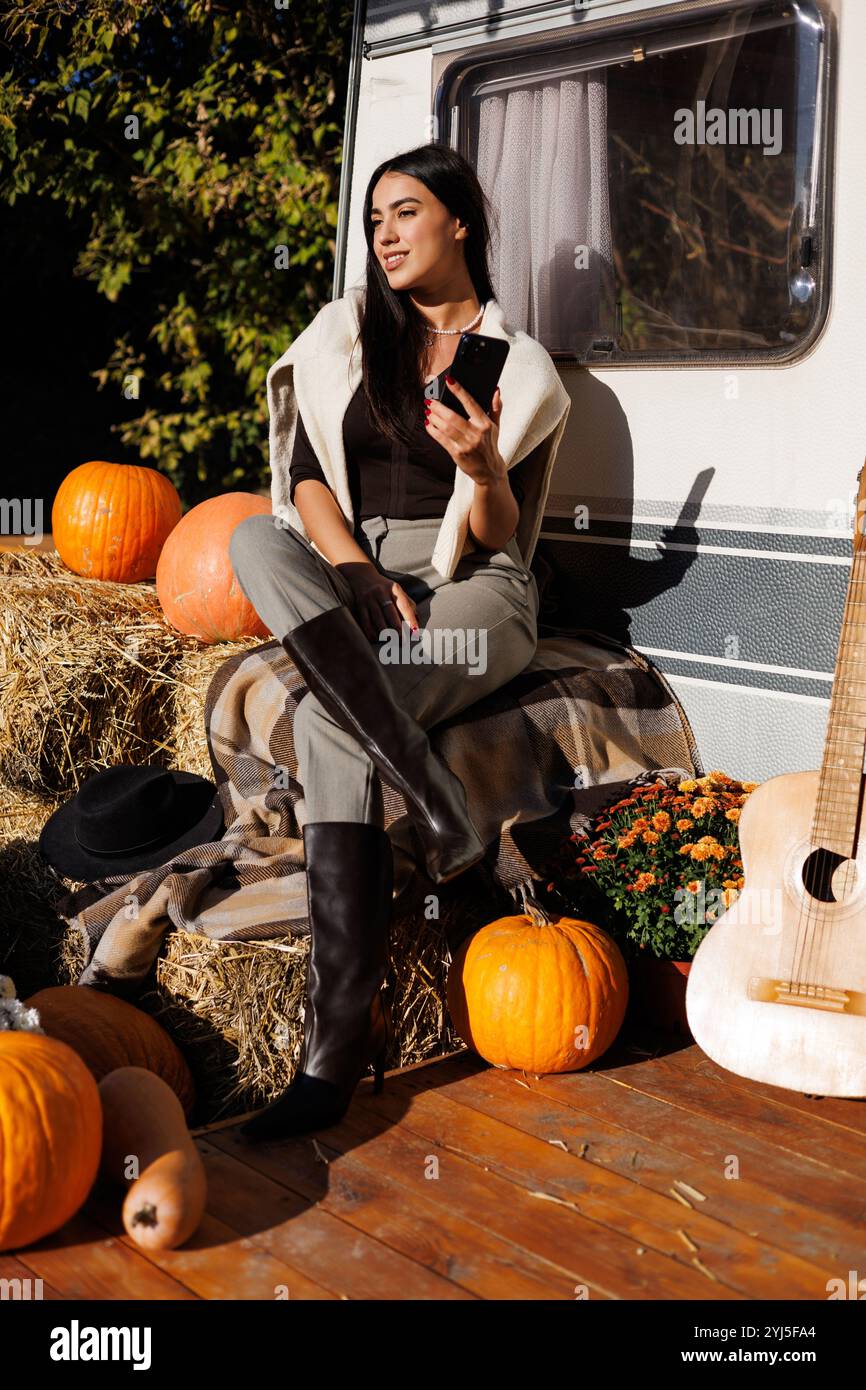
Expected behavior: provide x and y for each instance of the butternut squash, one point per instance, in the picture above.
(146, 1143)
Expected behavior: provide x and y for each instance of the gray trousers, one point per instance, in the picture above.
(478, 629)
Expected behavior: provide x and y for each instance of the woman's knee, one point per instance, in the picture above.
(248, 538)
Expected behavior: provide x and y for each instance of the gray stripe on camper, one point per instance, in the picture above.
(768, 610)
(733, 674)
(797, 519)
(708, 537)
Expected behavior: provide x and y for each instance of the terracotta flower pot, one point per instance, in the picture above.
(658, 993)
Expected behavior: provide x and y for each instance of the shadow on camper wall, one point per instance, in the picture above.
(596, 580)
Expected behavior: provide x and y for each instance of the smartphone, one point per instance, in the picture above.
(477, 365)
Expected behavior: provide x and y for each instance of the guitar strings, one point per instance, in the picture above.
(849, 645)
(812, 934)
(841, 705)
(808, 931)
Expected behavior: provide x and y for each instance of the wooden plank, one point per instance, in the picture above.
(216, 1263)
(708, 1090)
(12, 1268)
(269, 1190)
(653, 1219)
(604, 1259)
(787, 1200)
(849, 1115)
(380, 1188)
(82, 1261)
(652, 1142)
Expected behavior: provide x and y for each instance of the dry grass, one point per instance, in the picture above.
(92, 675)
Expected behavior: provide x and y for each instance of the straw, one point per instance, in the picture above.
(92, 675)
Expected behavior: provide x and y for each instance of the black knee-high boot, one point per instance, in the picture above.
(341, 668)
(347, 1023)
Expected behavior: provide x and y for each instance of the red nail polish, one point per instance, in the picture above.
(450, 380)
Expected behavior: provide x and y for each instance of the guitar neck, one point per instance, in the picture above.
(839, 807)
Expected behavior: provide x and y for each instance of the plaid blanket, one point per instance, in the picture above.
(587, 717)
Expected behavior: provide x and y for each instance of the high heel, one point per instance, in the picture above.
(347, 1020)
(341, 668)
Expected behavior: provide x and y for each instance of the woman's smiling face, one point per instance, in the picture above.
(409, 220)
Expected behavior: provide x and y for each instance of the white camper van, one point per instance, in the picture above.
(678, 200)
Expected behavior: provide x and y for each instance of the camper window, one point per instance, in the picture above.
(658, 192)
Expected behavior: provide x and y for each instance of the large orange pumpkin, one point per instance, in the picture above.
(195, 582)
(111, 520)
(108, 1033)
(538, 993)
(50, 1136)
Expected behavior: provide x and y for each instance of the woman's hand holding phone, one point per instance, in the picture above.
(473, 443)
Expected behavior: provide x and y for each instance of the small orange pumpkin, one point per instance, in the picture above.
(107, 1033)
(111, 520)
(195, 582)
(50, 1136)
(538, 993)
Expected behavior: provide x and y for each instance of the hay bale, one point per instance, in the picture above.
(92, 675)
(32, 935)
(235, 1007)
(195, 669)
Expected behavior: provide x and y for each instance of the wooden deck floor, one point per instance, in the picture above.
(461, 1181)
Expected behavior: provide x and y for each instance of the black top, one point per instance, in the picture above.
(385, 478)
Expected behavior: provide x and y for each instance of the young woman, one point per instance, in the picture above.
(391, 509)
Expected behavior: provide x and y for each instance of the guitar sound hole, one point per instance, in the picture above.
(822, 878)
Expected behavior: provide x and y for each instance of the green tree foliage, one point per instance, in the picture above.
(239, 112)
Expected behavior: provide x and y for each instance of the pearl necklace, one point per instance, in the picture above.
(440, 331)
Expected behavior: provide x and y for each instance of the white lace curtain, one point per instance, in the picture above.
(542, 162)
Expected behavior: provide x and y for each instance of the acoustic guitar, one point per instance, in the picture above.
(777, 988)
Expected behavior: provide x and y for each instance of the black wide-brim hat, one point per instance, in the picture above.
(127, 818)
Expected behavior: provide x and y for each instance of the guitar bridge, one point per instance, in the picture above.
(806, 996)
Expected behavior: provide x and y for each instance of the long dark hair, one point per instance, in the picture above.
(392, 331)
